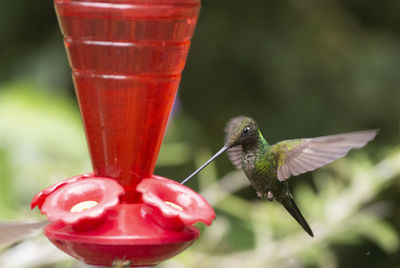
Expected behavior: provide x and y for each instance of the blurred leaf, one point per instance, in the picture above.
(41, 139)
(235, 206)
(382, 233)
(173, 154)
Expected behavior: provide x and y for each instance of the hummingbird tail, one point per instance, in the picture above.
(291, 207)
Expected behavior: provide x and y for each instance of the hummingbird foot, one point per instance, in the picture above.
(270, 196)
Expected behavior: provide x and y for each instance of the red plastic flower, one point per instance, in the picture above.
(174, 205)
(82, 203)
(39, 198)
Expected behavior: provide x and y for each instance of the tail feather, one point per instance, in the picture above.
(291, 207)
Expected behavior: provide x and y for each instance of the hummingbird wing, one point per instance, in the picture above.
(235, 155)
(302, 155)
(13, 232)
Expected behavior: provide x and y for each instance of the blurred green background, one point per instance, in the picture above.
(300, 68)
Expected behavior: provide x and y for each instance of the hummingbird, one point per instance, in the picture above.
(268, 167)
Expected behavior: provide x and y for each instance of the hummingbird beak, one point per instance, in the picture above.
(223, 149)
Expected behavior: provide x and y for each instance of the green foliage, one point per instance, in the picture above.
(301, 68)
(41, 142)
(261, 234)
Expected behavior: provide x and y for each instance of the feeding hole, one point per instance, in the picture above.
(81, 206)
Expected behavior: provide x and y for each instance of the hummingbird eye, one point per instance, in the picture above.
(246, 130)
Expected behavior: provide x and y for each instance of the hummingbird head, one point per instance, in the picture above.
(241, 130)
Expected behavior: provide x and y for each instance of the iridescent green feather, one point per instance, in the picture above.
(280, 150)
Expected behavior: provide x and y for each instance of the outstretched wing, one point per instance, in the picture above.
(13, 232)
(302, 155)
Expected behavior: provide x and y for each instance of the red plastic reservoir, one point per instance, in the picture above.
(127, 58)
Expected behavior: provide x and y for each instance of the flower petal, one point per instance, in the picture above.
(82, 202)
(174, 200)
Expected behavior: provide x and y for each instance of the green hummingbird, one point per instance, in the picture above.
(268, 167)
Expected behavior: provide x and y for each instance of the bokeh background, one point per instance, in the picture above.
(300, 68)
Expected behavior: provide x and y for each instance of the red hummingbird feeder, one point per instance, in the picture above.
(126, 57)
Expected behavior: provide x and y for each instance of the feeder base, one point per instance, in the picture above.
(127, 234)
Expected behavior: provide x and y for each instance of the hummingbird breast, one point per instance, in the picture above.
(260, 168)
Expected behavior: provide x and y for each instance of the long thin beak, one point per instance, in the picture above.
(223, 149)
